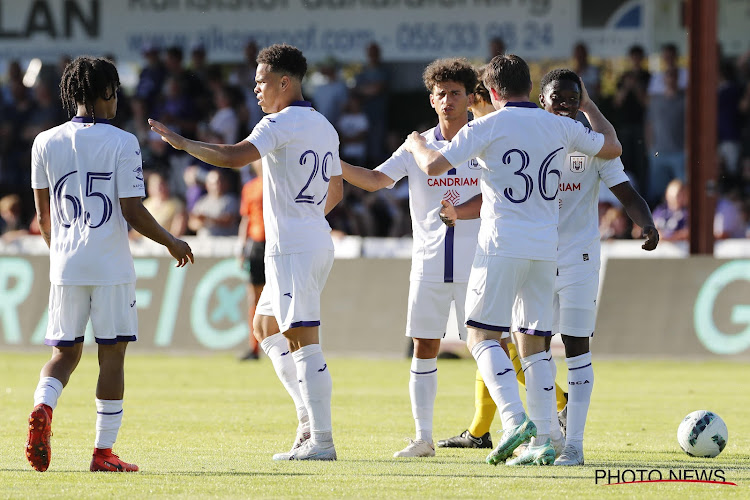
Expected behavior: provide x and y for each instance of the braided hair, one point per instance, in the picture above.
(87, 79)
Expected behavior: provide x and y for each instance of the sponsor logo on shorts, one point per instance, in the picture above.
(585, 257)
(324, 368)
(288, 294)
(132, 304)
(504, 372)
(549, 388)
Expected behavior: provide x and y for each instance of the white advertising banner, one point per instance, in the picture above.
(406, 30)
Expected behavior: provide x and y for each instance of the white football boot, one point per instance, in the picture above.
(416, 448)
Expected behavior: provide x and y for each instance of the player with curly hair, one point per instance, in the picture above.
(87, 179)
(441, 257)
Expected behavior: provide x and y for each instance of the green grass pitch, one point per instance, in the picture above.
(206, 426)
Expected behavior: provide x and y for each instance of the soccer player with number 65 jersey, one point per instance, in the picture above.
(521, 149)
(88, 184)
(301, 183)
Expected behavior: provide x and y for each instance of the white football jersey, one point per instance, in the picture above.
(521, 149)
(440, 253)
(579, 209)
(88, 167)
(300, 152)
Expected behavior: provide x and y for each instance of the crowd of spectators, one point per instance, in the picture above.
(216, 103)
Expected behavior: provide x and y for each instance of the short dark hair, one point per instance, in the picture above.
(637, 50)
(87, 79)
(560, 74)
(283, 58)
(479, 89)
(452, 69)
(509, 75)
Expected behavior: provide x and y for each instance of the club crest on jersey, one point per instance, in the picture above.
(474, 164)
(452, 196)
(138, 173)
(577, 163)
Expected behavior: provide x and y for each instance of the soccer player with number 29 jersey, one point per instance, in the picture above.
(521, 149)
(88, 184)
(301, 183)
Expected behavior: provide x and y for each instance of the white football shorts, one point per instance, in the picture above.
(575, 304)
(111, 308)
(430, 306)
(294, 283)
(507, 291)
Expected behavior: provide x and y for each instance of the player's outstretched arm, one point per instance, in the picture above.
(599, 123)
(363, 178)
(430, 161)
(142, 221)
(638, 211)
(449, 214)
(335, 192)
(220, 155)
(41, 202)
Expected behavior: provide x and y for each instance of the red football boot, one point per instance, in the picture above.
(38, 450)
(104, 460)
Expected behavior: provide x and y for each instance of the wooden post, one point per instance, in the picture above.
(702, 98)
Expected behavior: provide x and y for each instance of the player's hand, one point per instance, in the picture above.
(413, 140)
(172, 138)
(585, 99)
(448, 213)
(652, 237)
(181, 251)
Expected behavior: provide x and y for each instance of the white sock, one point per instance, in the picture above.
(47, 392)
(500, 379)
(540, 394)
(580, 386)
(316, 388)
(422, 390)
(108, 421)
(555, 433)
(277, 349)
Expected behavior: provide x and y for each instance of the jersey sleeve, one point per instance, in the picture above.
(129, 170)
(335, 164)
(583, 139)
(612, 172)
(267, 135)
(39, 178)
(397, 166)
(467, 144)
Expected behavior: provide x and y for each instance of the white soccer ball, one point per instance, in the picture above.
(702, 434)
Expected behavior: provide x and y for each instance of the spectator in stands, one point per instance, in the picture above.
(729, 119)
(671, 216)
(372, 87)
(11, 218)
(217, 212)
(15, 74)
(353, 129)
(615, 224)
(630, 103)
(497, 47)
(243, 76)
(669, 59)
(194, 178)
(15, 160)
(330, 97)
(729, 218)
(46, 114)
(224, 124)
(665, 136)
(169, 211)
(151, 79)
(590, 74)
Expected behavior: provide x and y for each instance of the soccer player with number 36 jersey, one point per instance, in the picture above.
(521, 149)
(88, 184)
(301, 183)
